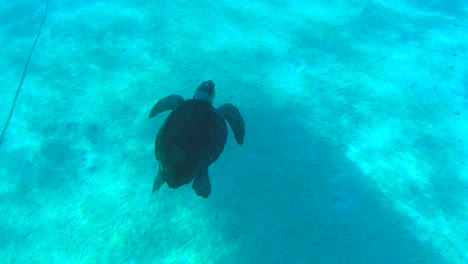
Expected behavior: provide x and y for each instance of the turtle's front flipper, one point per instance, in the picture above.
(158, 182)
(167, 103)
(234, 118)
(201, 185)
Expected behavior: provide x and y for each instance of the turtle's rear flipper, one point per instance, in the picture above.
(234, 118)
(158, 182)
(166, 103)
(201, 185)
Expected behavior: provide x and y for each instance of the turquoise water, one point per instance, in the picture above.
(356, 144)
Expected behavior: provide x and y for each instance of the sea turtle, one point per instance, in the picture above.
(192, 138)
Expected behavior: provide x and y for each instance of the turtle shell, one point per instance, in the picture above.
(192, 137)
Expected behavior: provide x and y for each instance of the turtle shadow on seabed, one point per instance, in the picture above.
(290, 196)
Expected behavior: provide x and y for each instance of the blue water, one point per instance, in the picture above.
(356, 146)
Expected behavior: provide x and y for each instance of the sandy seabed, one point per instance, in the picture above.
(356, 141)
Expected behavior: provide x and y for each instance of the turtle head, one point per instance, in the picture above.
(206, 91)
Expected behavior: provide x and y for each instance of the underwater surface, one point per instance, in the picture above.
(356, 144)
